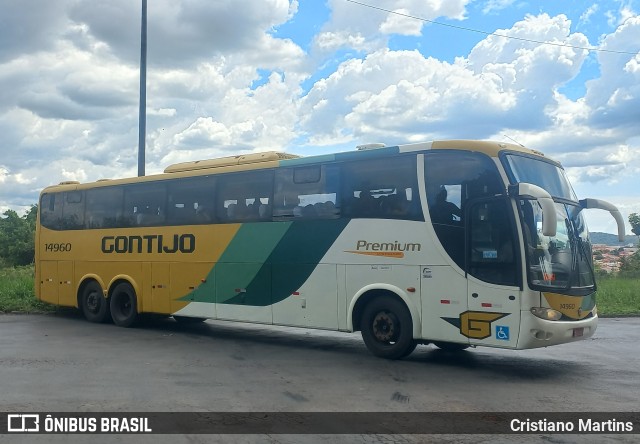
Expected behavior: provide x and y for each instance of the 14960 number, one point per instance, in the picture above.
(59, 247)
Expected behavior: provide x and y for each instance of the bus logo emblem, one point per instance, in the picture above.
(477, 324)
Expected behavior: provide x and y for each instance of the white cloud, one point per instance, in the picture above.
(183, 32)
(586, 15)
(614, 97)
(403, 95)
(400, 24)
(496, 5)
(371, 26)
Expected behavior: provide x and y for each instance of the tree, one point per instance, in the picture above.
(17, 237)
(630, 266)
(634, 220)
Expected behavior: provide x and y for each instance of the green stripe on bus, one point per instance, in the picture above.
(266, 262)
(291, 262)
(240, 262)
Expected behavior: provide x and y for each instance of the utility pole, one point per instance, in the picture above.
(142, 118)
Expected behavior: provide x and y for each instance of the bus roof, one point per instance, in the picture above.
(273, 159)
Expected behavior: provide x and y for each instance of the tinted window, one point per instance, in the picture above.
(73, 210)
(538, 172)
(492, 253)
(244, 197)
(452, 179)
(51, 210)
(145, 204)
(191, 201)
(307, 192)
(104, 208)
(381, 188)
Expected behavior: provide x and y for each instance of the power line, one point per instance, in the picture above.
(463, 28)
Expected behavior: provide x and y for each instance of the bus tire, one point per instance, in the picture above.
(387, 328)
(451, 346)
(94, 306)
(124, 306)
(188, 319)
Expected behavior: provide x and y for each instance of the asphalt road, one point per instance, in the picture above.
(62, 363)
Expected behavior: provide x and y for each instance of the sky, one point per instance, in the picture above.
(317, 76)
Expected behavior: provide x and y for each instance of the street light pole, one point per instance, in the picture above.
(142, 118)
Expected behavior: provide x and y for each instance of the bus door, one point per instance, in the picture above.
(493, 274)
(444, 298)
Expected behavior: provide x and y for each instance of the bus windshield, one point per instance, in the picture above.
(544, 174)
(561, 263)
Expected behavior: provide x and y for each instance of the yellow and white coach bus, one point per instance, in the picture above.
(456, 243)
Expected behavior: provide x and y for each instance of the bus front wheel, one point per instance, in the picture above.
(124, 307)
(387, 329)
(93, 304)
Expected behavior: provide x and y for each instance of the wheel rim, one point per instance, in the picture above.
(385, 327)
(123, 305)
(93, 302)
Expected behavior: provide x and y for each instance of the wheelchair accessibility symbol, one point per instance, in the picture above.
(502, 332)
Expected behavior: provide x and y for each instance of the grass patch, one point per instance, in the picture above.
(16, 291)
(618, 296)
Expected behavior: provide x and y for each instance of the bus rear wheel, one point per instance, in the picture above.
(93, 304)
(387, 329)
(124, 306)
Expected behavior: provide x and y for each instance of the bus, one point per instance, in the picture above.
(456, 243)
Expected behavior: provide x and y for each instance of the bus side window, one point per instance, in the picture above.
(492, 255)
(104, 207)
(51, 210)
(191, 201)
(145, 204)
(309, 192)
(452, 179)
(381, 188)
(73, 210)
(244, 197)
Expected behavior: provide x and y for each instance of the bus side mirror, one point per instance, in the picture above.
(603, 205)
(531, 191)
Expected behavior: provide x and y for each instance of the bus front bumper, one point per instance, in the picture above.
(536, 332)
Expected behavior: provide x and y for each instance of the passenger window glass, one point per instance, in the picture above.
(191, 201)
(491, 238)
(452, 179)
(381, 188)
(244, 197)
(310, 174)
(144, 204)
(73, 211)
(104, 207)
(51, 210)
(307, 193)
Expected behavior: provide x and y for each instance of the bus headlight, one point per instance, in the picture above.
(548, 314)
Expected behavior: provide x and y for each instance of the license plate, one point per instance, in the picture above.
(577, 332)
